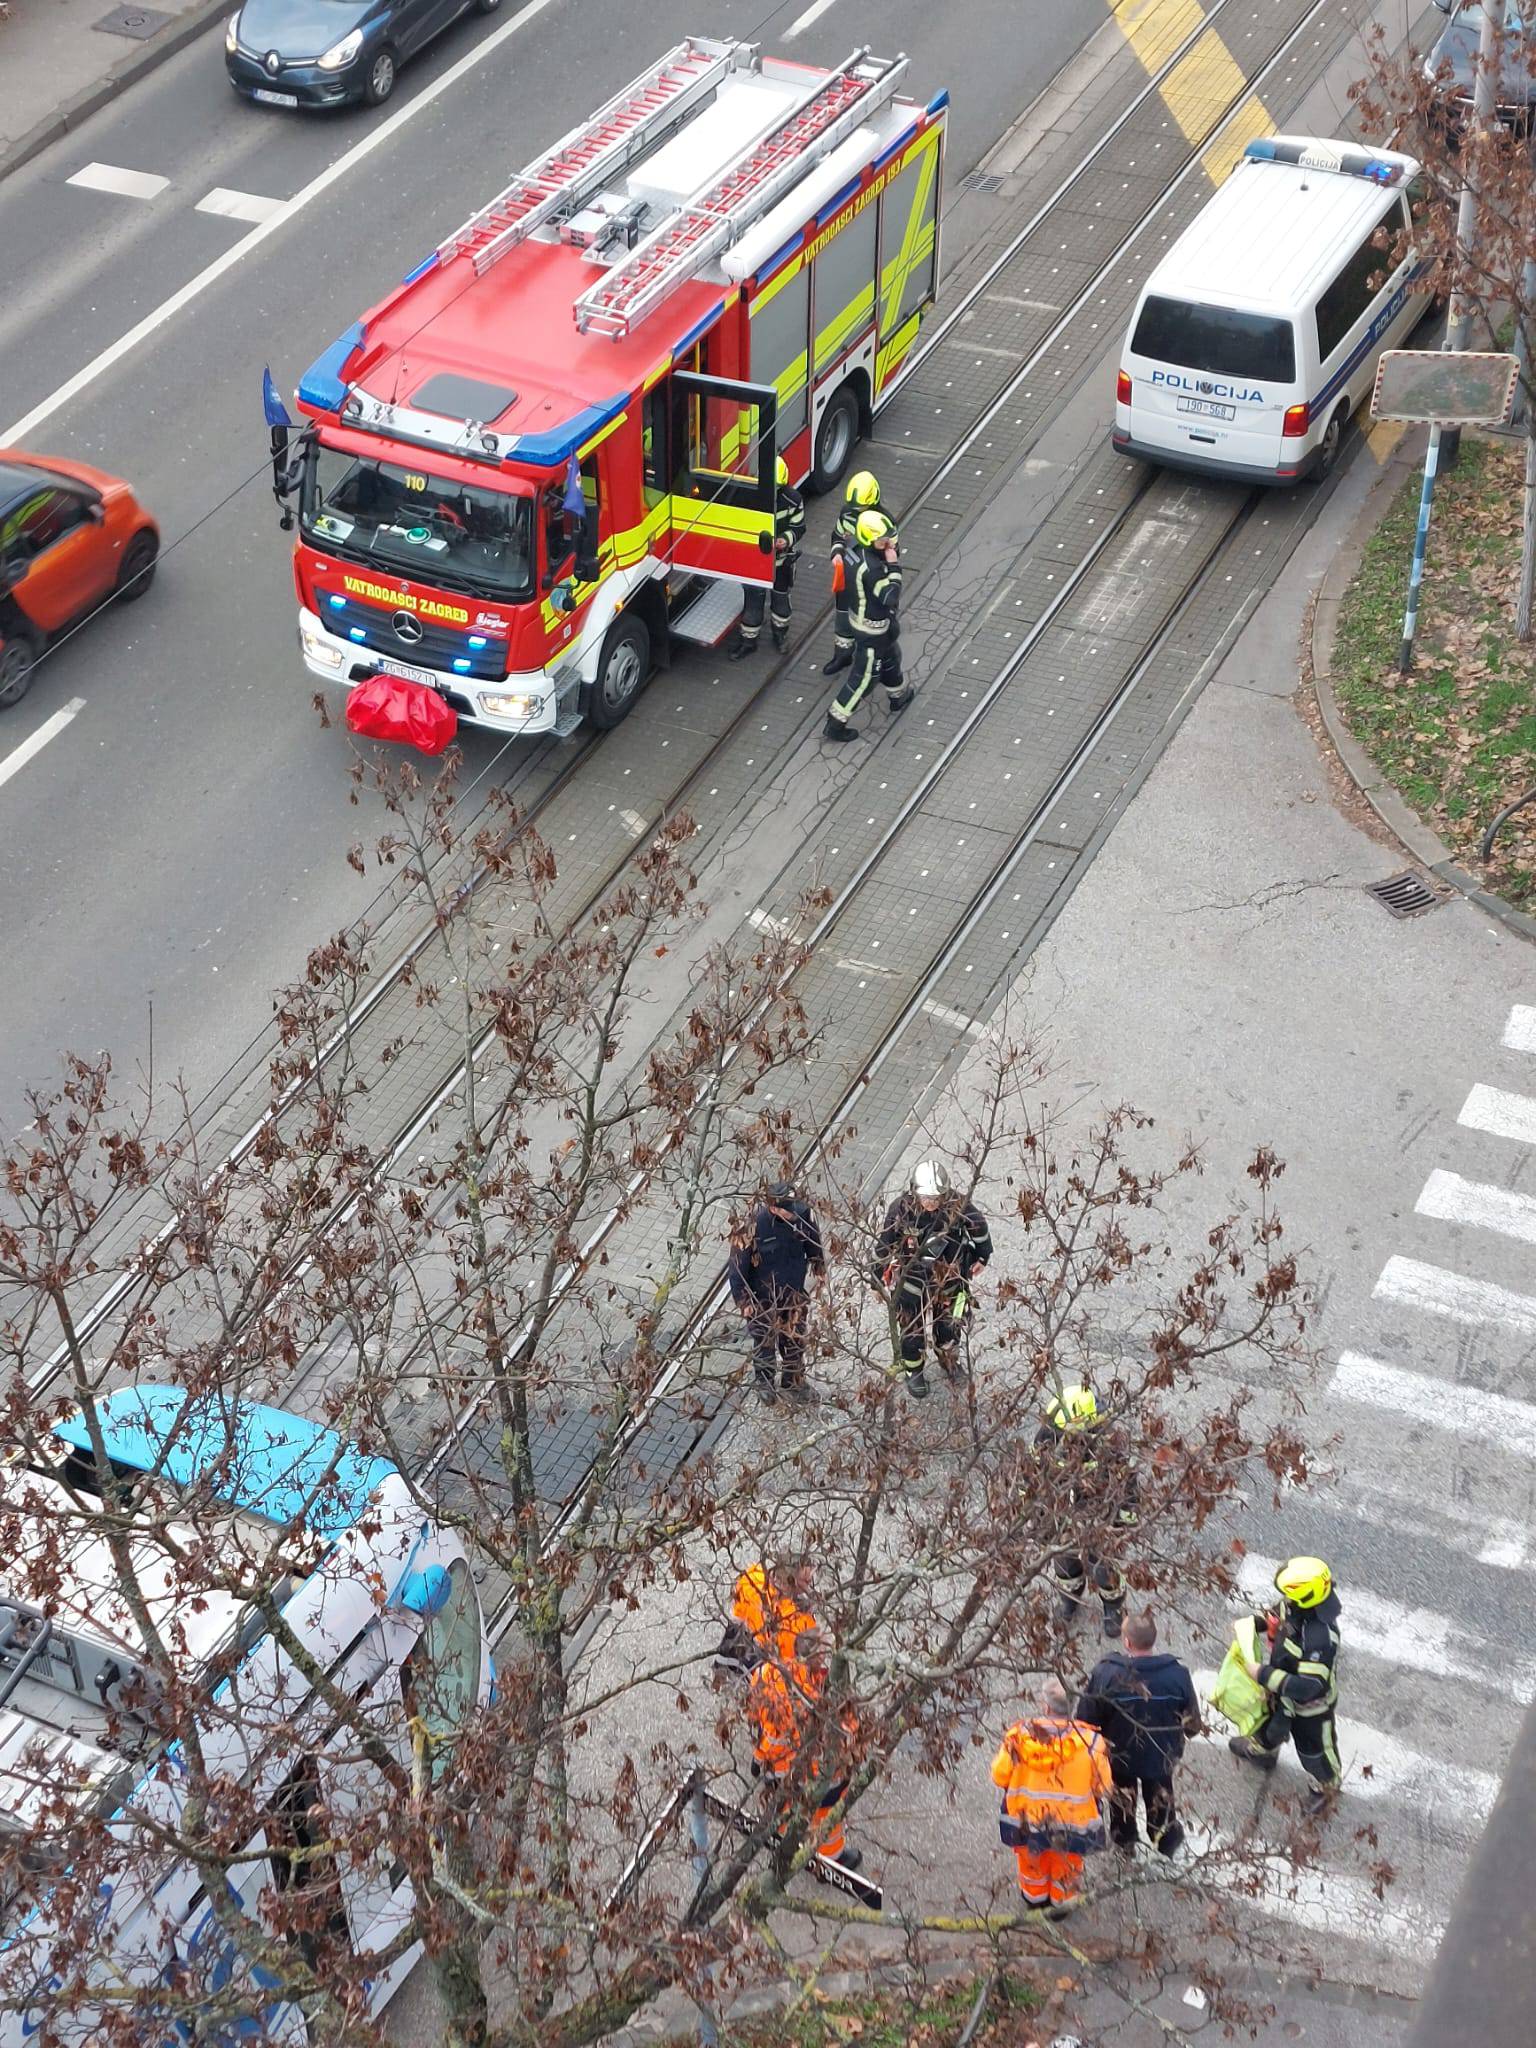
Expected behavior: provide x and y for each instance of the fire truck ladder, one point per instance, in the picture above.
(582, 162)
(753, 182)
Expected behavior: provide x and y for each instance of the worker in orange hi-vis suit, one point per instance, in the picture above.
(782, 1703)
(1054, 1775)
(768, 1610)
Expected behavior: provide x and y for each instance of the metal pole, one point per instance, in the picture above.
(698, 1835)
(1527, 311)
(1484, 103)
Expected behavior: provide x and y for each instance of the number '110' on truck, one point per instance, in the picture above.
(551, 451)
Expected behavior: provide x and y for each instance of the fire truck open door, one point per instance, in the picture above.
(720, 476)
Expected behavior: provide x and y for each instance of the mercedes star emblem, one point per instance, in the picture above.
(407, 627)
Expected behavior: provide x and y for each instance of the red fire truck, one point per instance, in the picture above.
(552, 449)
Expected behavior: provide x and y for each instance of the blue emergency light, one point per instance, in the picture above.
(1325, 156)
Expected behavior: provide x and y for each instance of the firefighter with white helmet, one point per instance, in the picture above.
(862, 495)
(788, 532)
(931, 1246)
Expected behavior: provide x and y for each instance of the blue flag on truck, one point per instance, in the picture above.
(271, 404)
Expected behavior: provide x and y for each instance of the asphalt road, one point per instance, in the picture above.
(172, 855)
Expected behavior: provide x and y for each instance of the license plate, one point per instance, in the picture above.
(275, 99)
(410, 675)
(1208, 408)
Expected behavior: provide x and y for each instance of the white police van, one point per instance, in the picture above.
(1259, 332)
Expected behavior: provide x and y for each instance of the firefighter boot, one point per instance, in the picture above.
(898, 700)
(1253, 1752)
(834, 729)
(780, 637)
(740, 648)
(850, 1859)
(1114, 1615)
(842, 657)
(917, 1385)
(1066, 1608)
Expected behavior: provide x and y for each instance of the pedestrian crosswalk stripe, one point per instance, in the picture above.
(1487, 1418)
(113, 178)
(1325, 1898)
(1408, 1638)
(1454, 1200)
(1498, 1111)
(1520, 1031)
(1377, 1766)
(1499, 1540)
(1439, 1292)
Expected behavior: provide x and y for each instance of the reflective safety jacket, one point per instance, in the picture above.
(874, 596)
(1053, 1773)
(788, 522)
(781, 1708)
(773, 1619)
(919, 1249)
(1302, 1671)
(1098, 1468)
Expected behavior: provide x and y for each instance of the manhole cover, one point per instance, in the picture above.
(982, 181)
(1405, 895)
(138, 22)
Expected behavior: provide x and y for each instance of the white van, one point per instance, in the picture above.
(1258, 333)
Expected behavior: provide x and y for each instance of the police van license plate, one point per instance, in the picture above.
(1208, 408)
(275, 99)
(409, 674)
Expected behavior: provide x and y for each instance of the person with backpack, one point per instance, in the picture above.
(1143, 1702)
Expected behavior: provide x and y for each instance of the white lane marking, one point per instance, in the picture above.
(1499, 1540)
(126, 344)
(1313, 1896)
(957, 1018)
(1520, 1031)
(1408, 1638)
(1505, 1115)
(48, 730)
(239, 205)
(113, 178)
(1377, 1766)
(1440, 1292)
(1494, 1419)
(763, 921)
(1454, 1200)
(803, 21)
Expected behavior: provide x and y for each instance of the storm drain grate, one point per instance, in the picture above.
(981, 181)
(1405, 895)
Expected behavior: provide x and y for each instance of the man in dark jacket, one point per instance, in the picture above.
(1300, 1674)
(768, 1277)
(931, 1245)
(1143, 1702)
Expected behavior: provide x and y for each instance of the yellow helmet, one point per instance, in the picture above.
(874, 530)
(863, 489)
(1075, 1410)
(781, 471)
(1304, 1581)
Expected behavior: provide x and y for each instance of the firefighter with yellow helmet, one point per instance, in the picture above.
(788, 532)
(874, 598)
(862, 495)
(1300, 1674)
(1095, 1486)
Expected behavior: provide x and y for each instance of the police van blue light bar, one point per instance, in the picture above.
(1325, 156)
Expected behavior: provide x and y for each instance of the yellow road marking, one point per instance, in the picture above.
(1383, 438)
(1202, 85)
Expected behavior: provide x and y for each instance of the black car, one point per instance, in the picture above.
(322, 53)
(1455, 52)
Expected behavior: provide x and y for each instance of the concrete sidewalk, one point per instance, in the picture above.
(62, 59)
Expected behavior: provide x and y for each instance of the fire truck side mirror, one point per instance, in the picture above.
(765, 543)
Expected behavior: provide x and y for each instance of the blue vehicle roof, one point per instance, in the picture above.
(262, 1459)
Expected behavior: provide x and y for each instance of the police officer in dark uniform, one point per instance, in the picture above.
(862, 495)
(1096, 1475)
(873, 602)
(788, 532)
(1300, 1674)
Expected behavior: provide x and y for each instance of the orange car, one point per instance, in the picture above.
(70, 538)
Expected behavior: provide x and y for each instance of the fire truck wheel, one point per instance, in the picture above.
(836, 438)
(621, 673)
(380, 82)
(138, 566)
(19, 650)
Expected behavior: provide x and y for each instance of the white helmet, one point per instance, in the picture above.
(929, 1179)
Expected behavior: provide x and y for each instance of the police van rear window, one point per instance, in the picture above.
(1216, 339)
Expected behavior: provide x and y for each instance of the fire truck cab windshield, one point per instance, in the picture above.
(463, 536)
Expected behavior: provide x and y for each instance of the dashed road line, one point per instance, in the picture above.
(247, 206)
(802, 22)
(113, 178)
(50, 729)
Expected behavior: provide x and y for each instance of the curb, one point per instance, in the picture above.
(1422, 845)
(90, 98)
